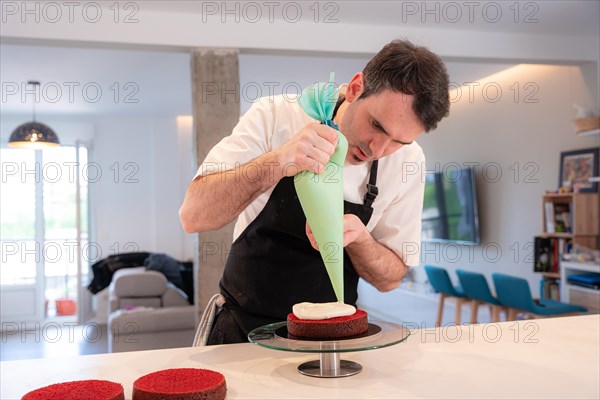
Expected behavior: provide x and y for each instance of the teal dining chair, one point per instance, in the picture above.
(441, 283)
(514, 292)
(476, 288)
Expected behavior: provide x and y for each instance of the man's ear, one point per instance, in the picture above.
(355, 87)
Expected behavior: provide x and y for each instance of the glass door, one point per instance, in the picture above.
(60, 231)
(21, 235)
(84, 241)
(45, 225)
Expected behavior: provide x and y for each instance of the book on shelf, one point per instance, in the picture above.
(558, 217)
(589, 280)
(585, 285)
(562, 218)
(548, 252)
(554, 291)
(549, 216)
(550, 289)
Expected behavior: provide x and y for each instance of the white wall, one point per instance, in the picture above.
(140, 204)
(521, 138)
(515, 144)
(144, 166)
(266, 75)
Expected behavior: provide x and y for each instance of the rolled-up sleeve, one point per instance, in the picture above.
(250, 139)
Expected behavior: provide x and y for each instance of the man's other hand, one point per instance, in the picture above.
(354, 231)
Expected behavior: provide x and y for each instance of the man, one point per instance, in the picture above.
(401, 93)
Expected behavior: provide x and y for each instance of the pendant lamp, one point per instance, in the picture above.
(33, 135)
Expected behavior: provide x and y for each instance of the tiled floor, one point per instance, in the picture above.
(415, 308)
(53, 339)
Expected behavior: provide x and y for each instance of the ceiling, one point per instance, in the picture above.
(78, 81)
(120, 82)
(561, 17)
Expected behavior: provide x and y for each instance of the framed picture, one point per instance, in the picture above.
(576, 167)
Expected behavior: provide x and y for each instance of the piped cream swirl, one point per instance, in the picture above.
(314, 311)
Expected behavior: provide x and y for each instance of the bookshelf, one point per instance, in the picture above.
(588, 297)
(571, 216)
(567, 219)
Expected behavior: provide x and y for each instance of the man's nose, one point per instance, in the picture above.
(378, 146)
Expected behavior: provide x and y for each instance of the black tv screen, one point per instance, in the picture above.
(450, 207)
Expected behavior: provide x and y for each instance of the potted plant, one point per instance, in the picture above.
(66, 305)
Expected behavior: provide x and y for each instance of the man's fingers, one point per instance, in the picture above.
(321, 146)
(324, 145)
(318, 156)
(353, 228)
(311, 148)
(311, 237)
(327, 133)
(312, 158)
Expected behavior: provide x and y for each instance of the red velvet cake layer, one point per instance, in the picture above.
(77, 390)
(181, 384)
(332, 328)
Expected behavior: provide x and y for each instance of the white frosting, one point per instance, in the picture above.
(313, 311)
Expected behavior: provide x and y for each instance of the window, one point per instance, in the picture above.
(44, 220)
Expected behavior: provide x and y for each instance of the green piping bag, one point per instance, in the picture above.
(322, 196)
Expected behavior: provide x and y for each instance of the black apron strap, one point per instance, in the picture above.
(372, 190)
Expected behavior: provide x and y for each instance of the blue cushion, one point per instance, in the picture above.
(514, 292)
(440, 280)
(552, 307)
(475, 286)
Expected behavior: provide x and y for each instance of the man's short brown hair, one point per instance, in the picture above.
(414, 70)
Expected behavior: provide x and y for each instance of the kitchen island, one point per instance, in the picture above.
(549, 358)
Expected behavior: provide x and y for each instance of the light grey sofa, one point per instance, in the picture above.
(147, 312)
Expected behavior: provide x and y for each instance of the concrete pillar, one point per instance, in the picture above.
(216, 108)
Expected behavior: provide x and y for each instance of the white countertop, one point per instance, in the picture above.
(550, 358)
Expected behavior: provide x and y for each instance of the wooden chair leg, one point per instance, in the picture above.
(458, 314)
(474, 308)
(495, 310)
(440, 310)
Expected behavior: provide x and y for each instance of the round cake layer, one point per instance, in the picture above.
(332, 328)
(77, 390)
(181, 384)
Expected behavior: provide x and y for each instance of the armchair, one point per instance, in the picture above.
(147, 312)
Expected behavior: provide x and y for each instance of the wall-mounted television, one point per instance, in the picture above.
(450, 207)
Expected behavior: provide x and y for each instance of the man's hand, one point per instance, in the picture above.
(308, 150)
(373, 262)
(354, 231)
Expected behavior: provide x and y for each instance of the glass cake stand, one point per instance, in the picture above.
(329, 365)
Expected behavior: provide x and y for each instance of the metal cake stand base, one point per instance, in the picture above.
(329, 365)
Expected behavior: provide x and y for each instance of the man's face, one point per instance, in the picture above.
(379, 125)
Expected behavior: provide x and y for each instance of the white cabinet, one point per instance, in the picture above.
(569, 293)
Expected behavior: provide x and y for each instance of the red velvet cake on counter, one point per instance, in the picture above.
(337, 327)
(180, 384)
(77, 390)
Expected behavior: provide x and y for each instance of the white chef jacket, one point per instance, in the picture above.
(272, 121)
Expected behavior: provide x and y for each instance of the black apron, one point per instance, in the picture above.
(272, 266)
